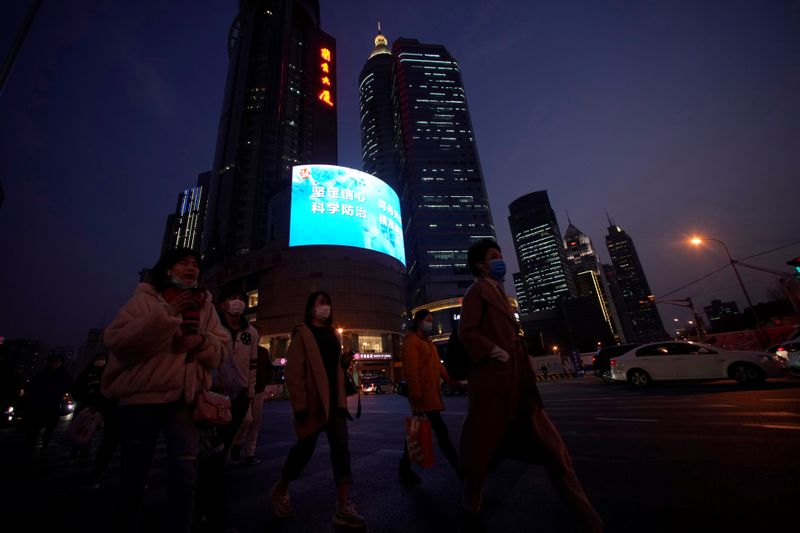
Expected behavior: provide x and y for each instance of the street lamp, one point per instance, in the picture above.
(697, 241)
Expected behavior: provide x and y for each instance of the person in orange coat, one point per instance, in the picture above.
(505, 415)
(424, 372)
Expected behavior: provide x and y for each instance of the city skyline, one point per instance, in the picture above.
(673, 119)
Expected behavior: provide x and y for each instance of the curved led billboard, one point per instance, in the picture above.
(345, 207)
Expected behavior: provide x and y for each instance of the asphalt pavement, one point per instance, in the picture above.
(679, 457)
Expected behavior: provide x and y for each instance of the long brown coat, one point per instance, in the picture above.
(423, 372)
(307, 383)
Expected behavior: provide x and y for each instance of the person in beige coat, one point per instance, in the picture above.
(505, 415)
(424, 372)
(162, 343)
(315, 381)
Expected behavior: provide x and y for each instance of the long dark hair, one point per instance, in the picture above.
(310, 307)
(419, 318)
(158, 276)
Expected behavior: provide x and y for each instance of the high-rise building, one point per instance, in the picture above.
(279, 110)
(588, 276)
(544, 277)
(377, 115)
(184, 228)
(724, 316)
(640, 310)
(429, 140)
(274, 179)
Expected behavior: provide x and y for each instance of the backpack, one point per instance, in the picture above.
(456, 359)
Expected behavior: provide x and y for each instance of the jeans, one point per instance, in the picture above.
(247, 437)
(139, 426)
(301, 452)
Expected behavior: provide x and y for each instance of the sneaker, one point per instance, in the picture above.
(346, 515)
(251, 460)
(281, 505)
(236, 453)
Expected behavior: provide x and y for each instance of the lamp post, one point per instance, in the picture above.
(697, 241)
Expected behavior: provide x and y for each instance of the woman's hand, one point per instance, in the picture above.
(187, 343)
(181, 303)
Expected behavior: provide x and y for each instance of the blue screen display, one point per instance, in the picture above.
(345, 207)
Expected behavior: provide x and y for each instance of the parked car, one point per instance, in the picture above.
(377, 385)
(791, 352)
(601, 362)
(679, 360)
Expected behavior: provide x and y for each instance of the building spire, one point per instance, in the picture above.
(381, 44)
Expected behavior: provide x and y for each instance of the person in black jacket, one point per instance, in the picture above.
(42, 398)
(86, 392)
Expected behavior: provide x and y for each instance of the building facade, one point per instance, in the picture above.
(184, 228)
(544, 277)
(279, 111)
(589, 278)
(646, 325)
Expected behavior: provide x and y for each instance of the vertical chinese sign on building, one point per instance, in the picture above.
(326, 76)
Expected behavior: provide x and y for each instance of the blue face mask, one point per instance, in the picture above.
(497, 269)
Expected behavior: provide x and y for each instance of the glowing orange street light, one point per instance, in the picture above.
(697, 241)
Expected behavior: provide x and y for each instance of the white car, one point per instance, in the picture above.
(678, 360)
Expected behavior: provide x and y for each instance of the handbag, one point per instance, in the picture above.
(82, 428)
(419, 437)
(212, 408)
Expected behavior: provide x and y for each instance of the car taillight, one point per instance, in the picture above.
(613, 363)
(594, 359)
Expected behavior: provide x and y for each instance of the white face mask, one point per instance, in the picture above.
(427, 327)
(322, 312)
(100, 363)
(235, 307)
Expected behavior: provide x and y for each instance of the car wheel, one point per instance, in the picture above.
(747, 373)
(639, 378)
(607, 377)
(447, 390)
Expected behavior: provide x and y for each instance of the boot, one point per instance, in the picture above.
(406, 475)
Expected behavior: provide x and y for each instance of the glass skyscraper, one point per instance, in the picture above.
(279, 110)
(544, 277)
(642, 314)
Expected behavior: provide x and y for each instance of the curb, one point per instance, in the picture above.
(556, 376)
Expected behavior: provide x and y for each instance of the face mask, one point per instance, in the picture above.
(235, 307)
(427, 327)
(322, 312)
(497, 269)
(181, 285)
(100, 363)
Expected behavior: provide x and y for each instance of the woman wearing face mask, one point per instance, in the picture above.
(315, 381)
(163, 342)
(505, 416)
(424, 372)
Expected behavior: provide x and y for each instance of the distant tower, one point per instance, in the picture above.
(185, 226)
(377, 116)
(544, 277)
(643, 315)
(588, 276)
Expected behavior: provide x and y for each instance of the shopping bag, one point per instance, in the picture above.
(82, 428)
(419, 437)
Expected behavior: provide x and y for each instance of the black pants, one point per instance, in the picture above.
(301, 452)
(442, 437)
(211, 488)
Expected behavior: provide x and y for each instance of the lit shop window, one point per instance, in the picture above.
(252, 298)
(370, 343)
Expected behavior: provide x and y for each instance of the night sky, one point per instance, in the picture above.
(674, 117)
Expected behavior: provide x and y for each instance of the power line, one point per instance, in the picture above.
(767, 270)
(720, 269)
(768, 251)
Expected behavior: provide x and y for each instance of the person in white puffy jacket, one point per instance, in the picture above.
(162, 344)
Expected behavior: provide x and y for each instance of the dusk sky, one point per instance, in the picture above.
(674, 117)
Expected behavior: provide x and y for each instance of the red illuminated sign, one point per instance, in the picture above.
(326, 91)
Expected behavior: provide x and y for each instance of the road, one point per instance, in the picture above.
(677, 457)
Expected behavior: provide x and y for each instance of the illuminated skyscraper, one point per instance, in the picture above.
(279, 110)
(544, 277)
(588, 276)
(639, 310)
(377, 115)
(185, 226)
